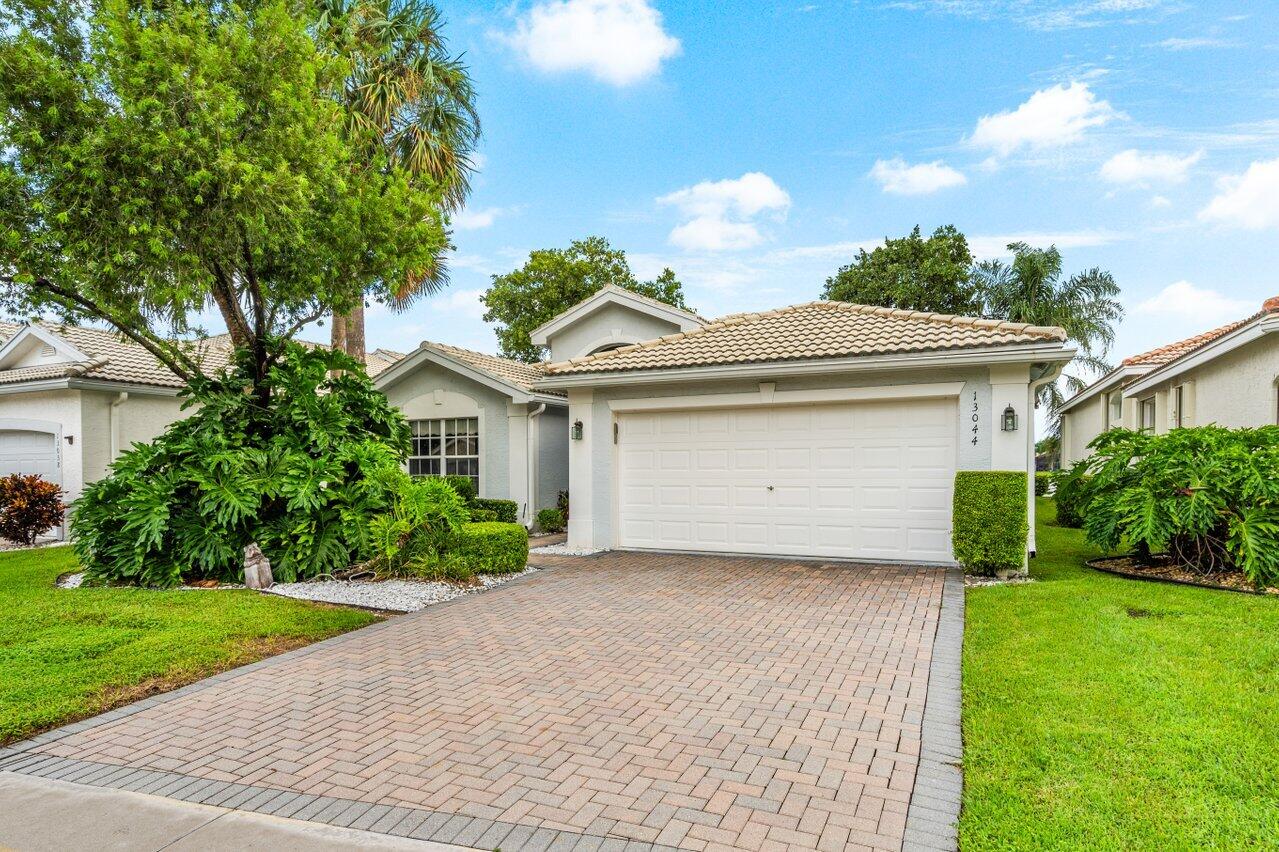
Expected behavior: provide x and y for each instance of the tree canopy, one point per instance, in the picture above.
(912, 273)
(1031, 289)
(553, 280)
(157, 159)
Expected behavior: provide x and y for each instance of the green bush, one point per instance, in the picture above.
(551, 520)
(1043, 481)
(507, 511)
(1070, 494)
(490, 548)
(302, 476)
(1207, 496)
(414, 536)
(480, 516)
(990, 520)
(464, 486)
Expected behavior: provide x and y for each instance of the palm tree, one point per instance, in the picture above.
(414, 101)
(1031, 290)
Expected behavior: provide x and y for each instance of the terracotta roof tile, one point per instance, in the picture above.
(1173, 351)
(805, 332)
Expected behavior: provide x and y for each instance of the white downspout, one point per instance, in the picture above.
(115, 424)
(532, 460)
(1053, 374)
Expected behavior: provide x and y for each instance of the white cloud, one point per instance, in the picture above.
(1249, 200)
(1160, 202)
(1192, 43)
(1047, 14)
(475, 220)
(723, 215)
(996, 245)
(1049, 118)
(1185, 300)
(464, 302)
(900, 178)
(1136, 168)
(617, 41)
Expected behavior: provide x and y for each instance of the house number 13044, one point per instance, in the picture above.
(974, 418)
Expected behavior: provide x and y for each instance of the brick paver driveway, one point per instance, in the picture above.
(693, 702)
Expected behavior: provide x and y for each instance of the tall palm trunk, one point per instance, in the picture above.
(352, 325)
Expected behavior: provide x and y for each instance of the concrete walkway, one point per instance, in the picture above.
(38, 814)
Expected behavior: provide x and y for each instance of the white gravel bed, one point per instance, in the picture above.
(564, 550)
(71, 581)
(392, 595)
(978, 581)
(75, 581)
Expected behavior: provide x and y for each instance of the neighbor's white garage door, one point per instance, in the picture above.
(29, 452)
(868, 480)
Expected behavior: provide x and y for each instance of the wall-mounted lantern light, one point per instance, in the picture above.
(576, 431)
(1009, 423)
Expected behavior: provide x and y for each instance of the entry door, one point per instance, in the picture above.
(866, 480)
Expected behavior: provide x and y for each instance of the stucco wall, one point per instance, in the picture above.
(970, 456)
(1081, 424)
(611, 323)
(1236, 389)
(415, 395)
(140, 420)
(552, 439)
(58, 411)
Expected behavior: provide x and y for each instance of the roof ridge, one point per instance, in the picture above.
(488, 355)
(1193, 342)
(949, 319)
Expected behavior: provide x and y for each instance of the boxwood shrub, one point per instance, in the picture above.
(990, 524)
(1043, 481)
(506, 511)
(551, 520)
(491, 548)
(481, 516)
(1070, 491)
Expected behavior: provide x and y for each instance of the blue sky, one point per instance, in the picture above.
(753, 147)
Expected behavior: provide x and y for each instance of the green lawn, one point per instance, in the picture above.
(67, 654)
(1107, 713)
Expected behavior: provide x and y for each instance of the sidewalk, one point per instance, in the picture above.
(38, 814)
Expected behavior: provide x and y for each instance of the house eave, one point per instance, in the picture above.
(71, 383)
(1054, 352)
(1241, 336)
(683, 319)
(1105, 383)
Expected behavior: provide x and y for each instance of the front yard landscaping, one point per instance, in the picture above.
(1103, 713)
(67, 655)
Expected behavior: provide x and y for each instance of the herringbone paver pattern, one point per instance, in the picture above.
(696, 702)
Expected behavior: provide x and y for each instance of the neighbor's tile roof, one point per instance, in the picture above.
(1173, 351)
(117, 359)
(809, 331)
(513, 372)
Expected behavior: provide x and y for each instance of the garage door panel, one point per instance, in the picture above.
(27, 452)
(857, 480)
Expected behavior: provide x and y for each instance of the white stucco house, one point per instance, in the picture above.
(72, 398)
(818, 430)
(1228, 376)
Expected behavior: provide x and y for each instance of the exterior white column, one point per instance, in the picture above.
(517, 438)
(581, 523)
(1010, 386)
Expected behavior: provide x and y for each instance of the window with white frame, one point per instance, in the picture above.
(446, 447)
(1178, 406)
(1116, 408)
(1146, 408)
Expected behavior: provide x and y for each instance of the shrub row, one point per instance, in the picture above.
(551, 520)
(1043, 481)
(491, 548)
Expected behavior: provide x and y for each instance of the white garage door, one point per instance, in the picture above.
(29, 452)
(867, 480)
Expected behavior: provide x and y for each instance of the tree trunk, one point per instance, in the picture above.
(337, 338)
(355, 331)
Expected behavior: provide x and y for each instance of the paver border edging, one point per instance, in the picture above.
(932, 819)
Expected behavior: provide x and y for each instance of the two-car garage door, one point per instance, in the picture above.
(865, 480)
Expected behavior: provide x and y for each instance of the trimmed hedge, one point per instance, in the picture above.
(551, 520)
(506, 511)
(464, 487)
(1043, 481)
(990, 523)
(491, 548)
(481, 516)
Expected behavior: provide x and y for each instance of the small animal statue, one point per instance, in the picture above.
(257, 568)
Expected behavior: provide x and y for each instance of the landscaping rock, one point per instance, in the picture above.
(257, 568)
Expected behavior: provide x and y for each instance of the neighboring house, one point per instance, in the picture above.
(72, 398)
(1226, 376)
(482, 416)
(820, 430)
